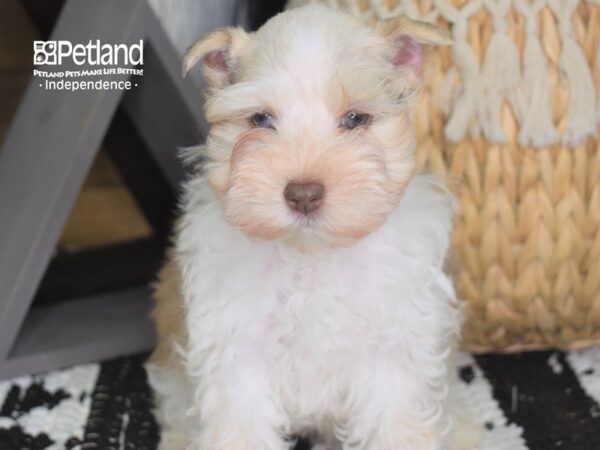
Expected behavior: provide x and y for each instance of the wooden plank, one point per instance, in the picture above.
(47, 153)
(82, 330)
(170, 60)
(165, 109)
(154, 193)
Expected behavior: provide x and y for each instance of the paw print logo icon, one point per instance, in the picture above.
(44, 52)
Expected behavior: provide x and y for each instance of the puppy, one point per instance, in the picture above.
(305, 293)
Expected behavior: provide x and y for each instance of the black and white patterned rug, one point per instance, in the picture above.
(535, 401)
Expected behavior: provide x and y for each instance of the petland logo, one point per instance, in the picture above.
(107, 66)
(93, 53)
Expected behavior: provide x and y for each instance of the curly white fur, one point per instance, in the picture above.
(351, 342)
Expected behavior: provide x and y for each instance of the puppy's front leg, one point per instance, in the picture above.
(399, 430)
(236, 410)
(396, 411)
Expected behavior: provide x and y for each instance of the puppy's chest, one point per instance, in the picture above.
(320, 310)
(324, 322)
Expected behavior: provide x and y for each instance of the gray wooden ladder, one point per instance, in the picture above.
(46, 155)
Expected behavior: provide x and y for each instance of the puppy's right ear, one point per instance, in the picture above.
(220, 53)
(411, 41)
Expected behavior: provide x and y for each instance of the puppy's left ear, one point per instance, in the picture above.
(411, 40)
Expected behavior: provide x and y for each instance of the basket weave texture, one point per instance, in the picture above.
(509, 116)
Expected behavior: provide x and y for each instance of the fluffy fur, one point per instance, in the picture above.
(338, 324)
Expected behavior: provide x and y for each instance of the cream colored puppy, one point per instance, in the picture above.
(305, 293)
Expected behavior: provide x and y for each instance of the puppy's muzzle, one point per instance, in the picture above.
(304, 197)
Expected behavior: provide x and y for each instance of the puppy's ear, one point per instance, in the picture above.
(220, 53)
(411, 40)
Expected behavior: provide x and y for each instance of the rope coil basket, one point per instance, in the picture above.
(510, 116)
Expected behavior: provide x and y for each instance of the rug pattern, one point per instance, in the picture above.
(526, 401)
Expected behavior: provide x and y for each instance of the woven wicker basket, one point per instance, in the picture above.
(510, 116)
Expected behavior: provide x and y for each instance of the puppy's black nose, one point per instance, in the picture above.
(304, 197)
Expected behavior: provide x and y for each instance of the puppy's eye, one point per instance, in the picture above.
(354, 119)
(262, 120)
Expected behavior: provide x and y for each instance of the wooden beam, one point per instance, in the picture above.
(145, 179)
(165, 109)
(82, 330)
(47, 153)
